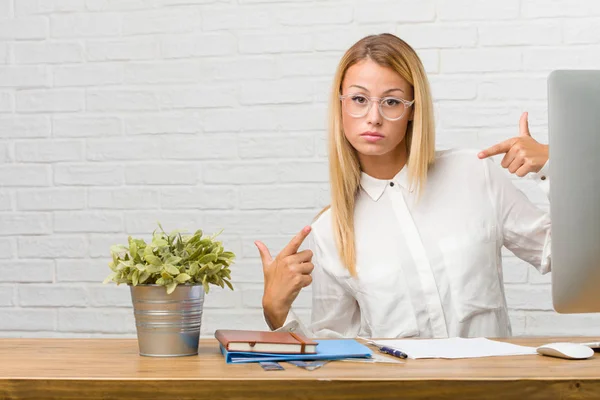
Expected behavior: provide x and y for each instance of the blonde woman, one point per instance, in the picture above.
(410, 245)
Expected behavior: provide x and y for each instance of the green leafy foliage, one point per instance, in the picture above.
(172, 259)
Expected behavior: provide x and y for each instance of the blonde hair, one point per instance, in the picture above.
(344, 169)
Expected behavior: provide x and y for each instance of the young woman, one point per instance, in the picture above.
(410, 245)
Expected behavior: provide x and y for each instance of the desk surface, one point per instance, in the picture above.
(112, 368)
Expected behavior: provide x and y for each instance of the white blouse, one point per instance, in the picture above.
(427, 269)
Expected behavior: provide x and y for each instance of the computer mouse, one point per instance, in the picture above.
(570, 351)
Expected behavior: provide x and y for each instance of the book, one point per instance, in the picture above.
(328, 349)
(265, 342)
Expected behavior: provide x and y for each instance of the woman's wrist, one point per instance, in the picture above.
(274, 315)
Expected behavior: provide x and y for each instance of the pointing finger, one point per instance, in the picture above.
(294, 244)
(265, 254)
(524, 125)
(499, 148)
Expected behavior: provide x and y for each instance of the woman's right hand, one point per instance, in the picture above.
(285, 275)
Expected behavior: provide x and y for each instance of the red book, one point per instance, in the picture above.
(265, 342)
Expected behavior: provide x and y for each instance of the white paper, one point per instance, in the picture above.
(375, 358)
(455, 348)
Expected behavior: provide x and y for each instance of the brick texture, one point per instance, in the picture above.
(212, 114)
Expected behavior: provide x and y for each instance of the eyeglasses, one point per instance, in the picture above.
(390, 108)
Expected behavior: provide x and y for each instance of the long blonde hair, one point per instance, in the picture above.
(344, 169)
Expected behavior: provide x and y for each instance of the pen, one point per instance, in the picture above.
(392, 352)
(385, 349)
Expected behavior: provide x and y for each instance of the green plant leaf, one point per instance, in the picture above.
(173, 260)
(148, 251)
(159, 242)
(135, 277)
(171, 287)
(144, 276)
(118, 248)
(182, 278)
(207, 258)
(152, 259)
(110, 277)
(153, 269)
(132, 248)
(226, 272)
(172, 269)
(216, 234)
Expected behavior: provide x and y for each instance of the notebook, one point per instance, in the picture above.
(333, 349)
(265, 342)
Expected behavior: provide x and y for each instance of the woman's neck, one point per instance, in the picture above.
(385, 166)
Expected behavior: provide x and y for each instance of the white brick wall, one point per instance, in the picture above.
(211, 114)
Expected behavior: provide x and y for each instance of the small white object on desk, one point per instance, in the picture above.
(569, 351)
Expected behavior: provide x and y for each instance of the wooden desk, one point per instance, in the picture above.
(112, 369)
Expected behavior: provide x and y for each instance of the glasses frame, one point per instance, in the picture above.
(407, 105)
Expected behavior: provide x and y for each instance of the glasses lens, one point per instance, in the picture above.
(357, 105)
(392, 108)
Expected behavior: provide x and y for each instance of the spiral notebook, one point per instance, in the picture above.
(330, 349)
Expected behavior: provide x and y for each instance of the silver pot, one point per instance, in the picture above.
(168, 325)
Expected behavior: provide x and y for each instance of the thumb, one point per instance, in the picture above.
(265, 254)
(524, 125)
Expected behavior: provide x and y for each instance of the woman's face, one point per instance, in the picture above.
(372, 134)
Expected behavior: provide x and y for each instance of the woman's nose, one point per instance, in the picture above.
(373, 116)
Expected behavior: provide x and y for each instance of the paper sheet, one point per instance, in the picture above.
(455, 348)
(375, 358)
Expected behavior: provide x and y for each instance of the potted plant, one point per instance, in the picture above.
(168, 278)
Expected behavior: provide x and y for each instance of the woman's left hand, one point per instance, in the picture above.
(522, 154)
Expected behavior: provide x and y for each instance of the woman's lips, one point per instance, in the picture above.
(371, 137)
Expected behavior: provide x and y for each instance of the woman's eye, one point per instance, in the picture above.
(391, 102)
(359, 99)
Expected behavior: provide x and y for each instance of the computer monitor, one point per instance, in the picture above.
(574, 139)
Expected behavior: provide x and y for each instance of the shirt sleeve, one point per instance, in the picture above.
(543, 178)
(335, 312)
(525, 227)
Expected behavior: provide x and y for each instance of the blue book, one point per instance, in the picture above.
(333, 349)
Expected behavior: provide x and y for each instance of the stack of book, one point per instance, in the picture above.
(243, 346)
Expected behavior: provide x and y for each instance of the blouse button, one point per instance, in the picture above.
(392, 184)
(543, 177)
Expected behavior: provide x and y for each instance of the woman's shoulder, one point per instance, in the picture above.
(321, 225)
(463, 156)
(458, 168)
(323, 240)
(464, 161)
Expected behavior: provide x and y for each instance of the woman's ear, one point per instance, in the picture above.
(412, 114)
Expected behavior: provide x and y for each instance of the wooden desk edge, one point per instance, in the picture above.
(338, 389)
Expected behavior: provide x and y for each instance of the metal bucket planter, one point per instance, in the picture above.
(168, 325)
